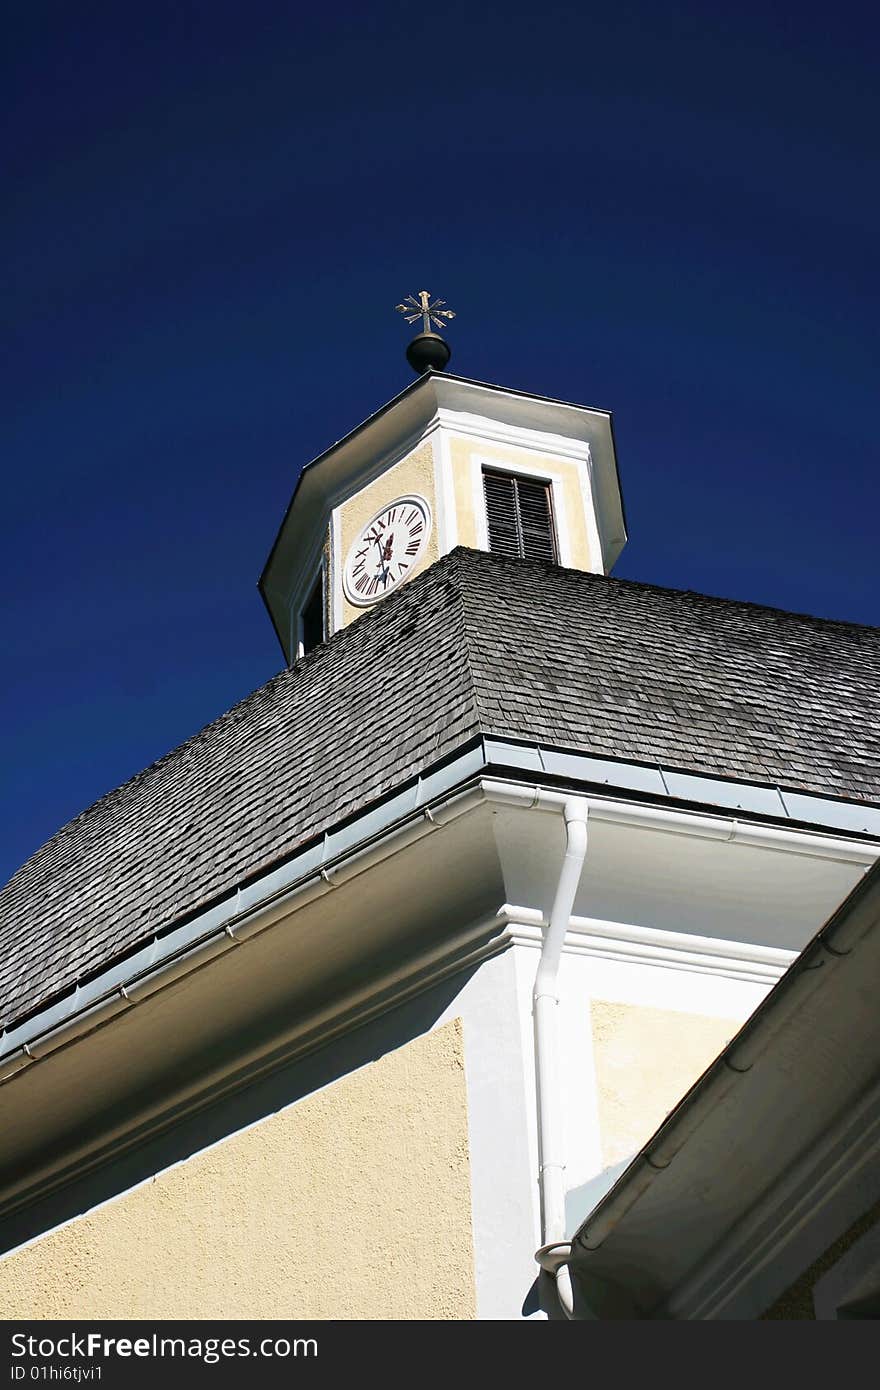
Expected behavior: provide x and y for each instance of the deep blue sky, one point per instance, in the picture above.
(670, 211)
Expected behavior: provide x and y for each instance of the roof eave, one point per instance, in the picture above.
(674, 1190)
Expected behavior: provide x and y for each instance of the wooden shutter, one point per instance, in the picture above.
(501, 512)
(520, 516)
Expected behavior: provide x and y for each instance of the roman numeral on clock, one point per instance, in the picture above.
(385, 550)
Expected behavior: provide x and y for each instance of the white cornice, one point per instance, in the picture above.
(624, 941)
(517, 436)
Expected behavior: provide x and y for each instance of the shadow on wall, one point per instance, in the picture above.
(258, 1100)
(580, 1201)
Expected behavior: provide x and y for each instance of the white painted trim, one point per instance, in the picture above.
(519, 436)
(441, 523)
(586, 483)
(336, 595)
(525, 967)
(627, 942)
(478, 502)
(579, 1087)
(497, 1062)
(448, 490)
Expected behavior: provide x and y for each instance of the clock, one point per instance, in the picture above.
(386, 550)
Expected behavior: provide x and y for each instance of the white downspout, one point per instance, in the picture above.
(545, 1006)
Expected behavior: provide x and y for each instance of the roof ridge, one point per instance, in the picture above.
(547, 567)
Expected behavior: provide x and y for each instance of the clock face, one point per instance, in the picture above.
(387, 550)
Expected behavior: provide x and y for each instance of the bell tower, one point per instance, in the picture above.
(447, 462)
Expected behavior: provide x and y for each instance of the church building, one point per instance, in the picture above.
(513, 953)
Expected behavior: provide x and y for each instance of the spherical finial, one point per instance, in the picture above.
(428, 351)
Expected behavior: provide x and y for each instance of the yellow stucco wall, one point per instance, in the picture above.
(646, 1059)
(462, 452)
(413, 474)
(353, 1203)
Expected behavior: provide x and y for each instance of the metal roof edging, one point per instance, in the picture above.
(324, 860)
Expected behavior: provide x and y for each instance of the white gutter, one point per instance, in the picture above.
(694, 823)
(259, 905)
(234, 922)
(545, 1005)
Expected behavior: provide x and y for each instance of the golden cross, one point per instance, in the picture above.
(431, 312)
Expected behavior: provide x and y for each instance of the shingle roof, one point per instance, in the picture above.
(476, 644)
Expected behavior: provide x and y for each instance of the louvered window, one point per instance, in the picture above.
(520, 516)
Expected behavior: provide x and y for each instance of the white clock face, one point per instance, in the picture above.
(387, 550)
